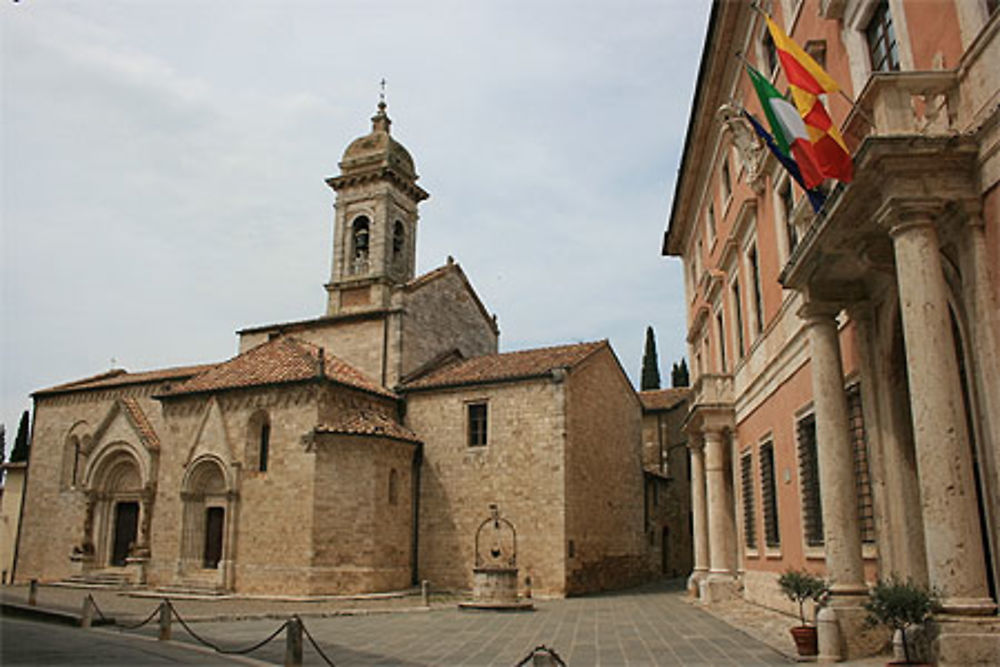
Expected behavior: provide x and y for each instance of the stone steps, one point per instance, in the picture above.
(98, 580)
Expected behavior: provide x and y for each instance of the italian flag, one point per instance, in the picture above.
(788, 128)
(808, 81)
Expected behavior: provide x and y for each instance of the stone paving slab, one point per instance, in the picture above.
(652, 625)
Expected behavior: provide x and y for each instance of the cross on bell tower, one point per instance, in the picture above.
(375, 221)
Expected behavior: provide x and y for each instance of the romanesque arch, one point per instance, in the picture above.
(207, 535)
(116, 527)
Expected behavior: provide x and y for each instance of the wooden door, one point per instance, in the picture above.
(126, 528)
(214, 520)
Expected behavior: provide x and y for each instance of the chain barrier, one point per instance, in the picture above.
(542, 650)
(314, 644)
(216, 647)
(97, 609)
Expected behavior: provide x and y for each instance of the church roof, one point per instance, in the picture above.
(370, 424)
(508, 366)
(280, 360)
(662, 399)
(118, 377)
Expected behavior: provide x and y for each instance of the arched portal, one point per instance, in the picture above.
(209, 506)
(116, 526)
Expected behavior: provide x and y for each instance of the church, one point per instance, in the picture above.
(354, 452)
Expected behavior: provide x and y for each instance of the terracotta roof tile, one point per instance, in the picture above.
(506, 366)
(118, 377)
(138, 418)
(282, 359)
(663, 399)
(371, 424)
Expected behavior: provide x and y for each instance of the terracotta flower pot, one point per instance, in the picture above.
(805, 639)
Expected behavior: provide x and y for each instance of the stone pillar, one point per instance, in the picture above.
(838, 487)
(699, 512)
(955, 557)
(721, 525)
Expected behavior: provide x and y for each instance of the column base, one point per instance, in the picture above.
(964, 640)
(718, 587)
(694, 582)
(844, 635)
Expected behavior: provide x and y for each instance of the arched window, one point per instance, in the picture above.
(359, 243)
(398, 241)
(258, 441)
(71, 468)
(393, 487)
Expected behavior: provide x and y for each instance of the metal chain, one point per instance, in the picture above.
(149, 618)
(314, 644)
(216, 647)
(96, 608)
(541, 648)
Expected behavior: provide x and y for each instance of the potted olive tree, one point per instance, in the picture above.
(900, 605)
(799, 586)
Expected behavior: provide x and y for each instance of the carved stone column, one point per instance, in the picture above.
(699, 512)
(955, 556)
(721, 580)
(838, 486)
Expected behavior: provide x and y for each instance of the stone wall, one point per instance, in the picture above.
(604, 480)
(520, 469)
(362, 530)
(440, 316)
(359, 342)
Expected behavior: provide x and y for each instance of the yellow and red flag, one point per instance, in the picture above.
(808, 81)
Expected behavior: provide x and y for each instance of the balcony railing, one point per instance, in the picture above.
(713, 389)
(906, 103)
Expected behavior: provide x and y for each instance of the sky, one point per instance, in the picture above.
(162, 168)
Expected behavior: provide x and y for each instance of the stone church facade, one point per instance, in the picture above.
(354, 452)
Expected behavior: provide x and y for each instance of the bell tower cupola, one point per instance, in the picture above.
(375, 221)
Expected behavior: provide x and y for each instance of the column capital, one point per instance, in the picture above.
(816, 312)
(898, 215)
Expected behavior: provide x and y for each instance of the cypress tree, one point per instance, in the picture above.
(679, 374)
(20, 451)
(650, 364)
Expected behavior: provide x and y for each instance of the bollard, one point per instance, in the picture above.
(164, 621)
(425, 592)
(293, 642)
(87, 613)
(33, 592)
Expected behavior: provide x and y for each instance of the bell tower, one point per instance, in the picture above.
(375, 221)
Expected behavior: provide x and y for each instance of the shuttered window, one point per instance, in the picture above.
(746, 480)
(812, 514)
(862, 474)
(769, 495)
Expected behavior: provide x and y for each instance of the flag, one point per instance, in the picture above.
(788, 128)
(816, 198)
(808, 81)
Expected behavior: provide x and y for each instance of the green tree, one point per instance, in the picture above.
(3, 442)
(650, 364)
(679, 374)
(21, 444)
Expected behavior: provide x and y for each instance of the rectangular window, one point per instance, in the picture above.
(812, 512)
(769, 495)
(746, 482)
(720, 325)
(758, 300)
(727, 183)
(862, 476)
(788, 207)
(881, 38)
(770, 52)
(738, 314)
(710, 221)
(477, 424)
